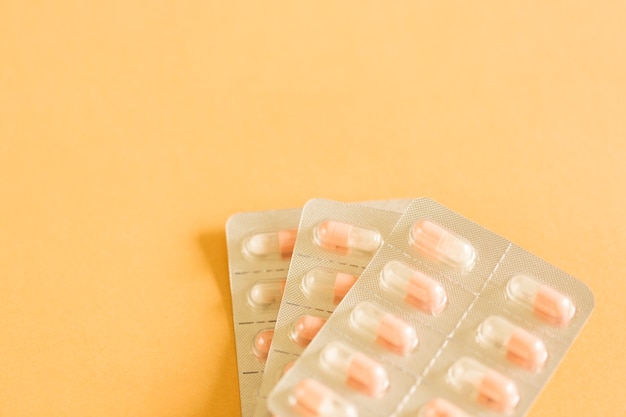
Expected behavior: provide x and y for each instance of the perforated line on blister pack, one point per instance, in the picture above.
(449, 337)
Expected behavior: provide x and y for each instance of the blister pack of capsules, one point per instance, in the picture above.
(448, 320)
(259, 252)
(335, 243)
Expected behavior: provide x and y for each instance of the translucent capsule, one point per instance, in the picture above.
(262, 342)
(485, 385)
(270, 244)
(327, 285)
(311, 398)
(355, 369)
(414, 287)
(546, 303)
(438, 243)
(516, 344)
(439, 407)
(383, 328)
(305, 329)
(267, 294)
(345, 237)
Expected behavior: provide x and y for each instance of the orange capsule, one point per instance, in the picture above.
(414, 287)
(440, 244)
(262, 343)
(267, 294)
(344, 237)
(438, 407)
(357, 370)
(383, 328)
(305, 329)
(271, 244)
(485, 385)
(327, 285)
(516, 344)
(311, 398)
(546, 303)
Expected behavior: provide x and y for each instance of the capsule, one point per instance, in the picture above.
(355, 369)
(344, 237)
(545, 302)
(439, 407)
(271, 244)
(442, 245)
(414, 287)
(261, 344)
(485, 385)
(267, 294)
(383, 328)
(311, 398)
(327, 285)
(305, 329)
(516, 344)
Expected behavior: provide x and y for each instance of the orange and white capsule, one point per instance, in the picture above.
(267, 294)
(305, 329)
(271, 244)
(438, 243)
(439, 407)
(516, 344)
(262, 343)
(355, 369)
(311, 398)
(546, 303)
(327, 285)
(383, 328)
(485, 385)
(414, 287)
(344, 237)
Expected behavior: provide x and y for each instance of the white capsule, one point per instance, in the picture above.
(311, 398)
(514, 343)
(545, 302)
(270, 244)
(327, 285)
(485, 385)
(414, 287)
(267, 294)
(344, 237)
(383, 328)
(442, 245)
(355, 369)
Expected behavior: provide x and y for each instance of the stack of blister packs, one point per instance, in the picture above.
(393, 308)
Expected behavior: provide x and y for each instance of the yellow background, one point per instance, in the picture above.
(130, 131)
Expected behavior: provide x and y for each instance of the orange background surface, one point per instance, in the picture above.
(130, 131)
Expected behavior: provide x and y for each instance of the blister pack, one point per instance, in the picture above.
(335, 243)
(448, 320)
(259, 252)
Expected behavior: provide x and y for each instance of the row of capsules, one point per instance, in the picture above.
(335, 243)
(447, 320)
(260, 246)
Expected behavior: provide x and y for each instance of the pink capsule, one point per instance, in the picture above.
(438, 407)
(271, 244)
(546, 303)
(440, 244)
(344, 237)
(311, 398)
(485, 385)
(383, 328)
(327, 285)
(357, 370)
(262, 343)
(305, 329)
(515, 344)
(414, 287)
